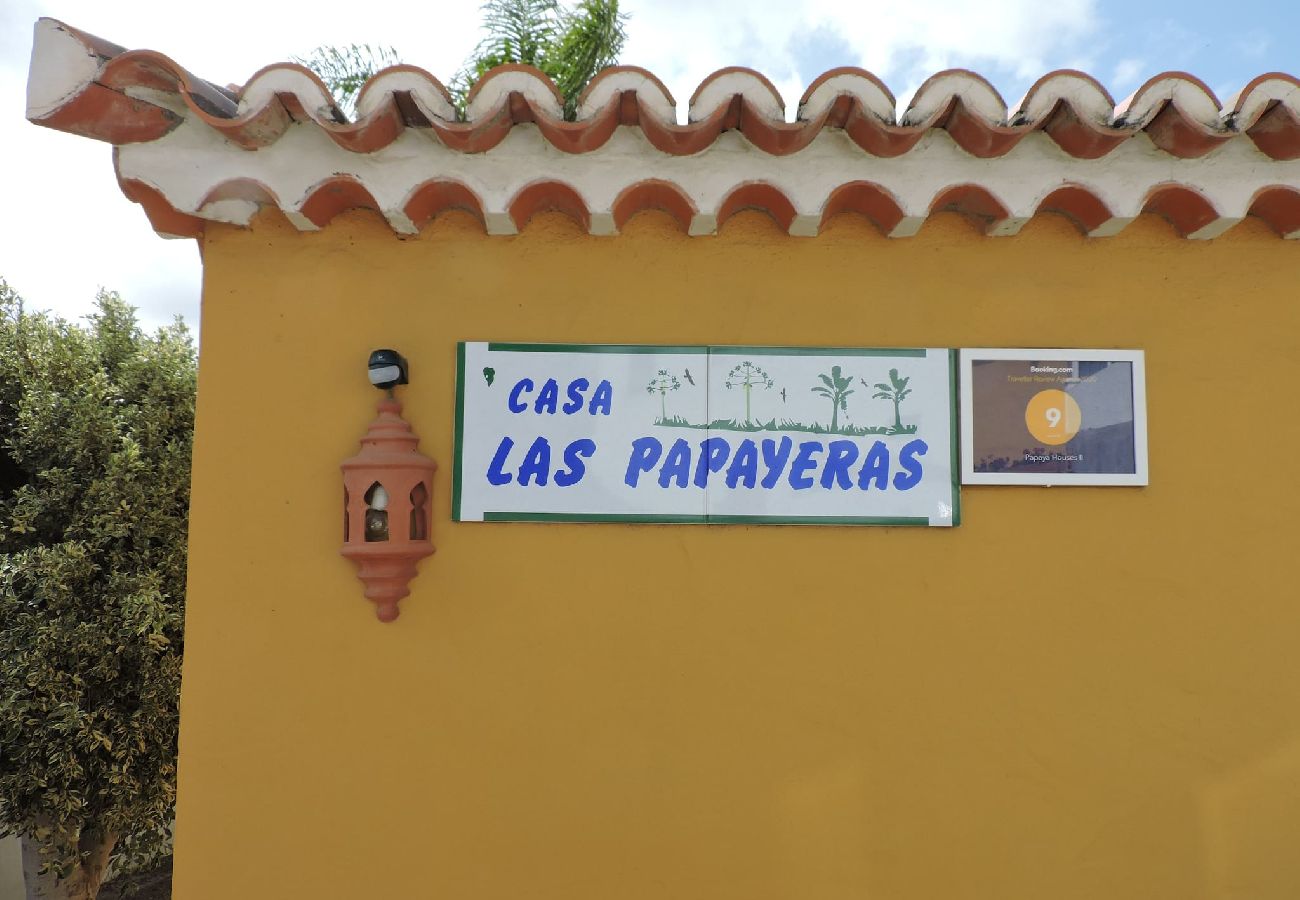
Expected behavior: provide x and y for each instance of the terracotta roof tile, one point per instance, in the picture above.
(1065, 147)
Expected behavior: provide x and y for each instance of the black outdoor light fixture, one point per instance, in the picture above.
(387, 369)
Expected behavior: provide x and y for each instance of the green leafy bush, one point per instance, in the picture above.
(96, 426)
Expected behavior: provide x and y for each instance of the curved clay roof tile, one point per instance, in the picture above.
(189, 151)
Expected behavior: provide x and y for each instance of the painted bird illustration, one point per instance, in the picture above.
(489, 375)
(689, 378)
(782, 395)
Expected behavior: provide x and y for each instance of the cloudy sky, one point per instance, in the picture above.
(69, 231)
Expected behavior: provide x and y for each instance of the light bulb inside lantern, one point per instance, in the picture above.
(377, 514)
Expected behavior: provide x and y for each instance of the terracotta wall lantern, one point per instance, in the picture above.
(387, 496)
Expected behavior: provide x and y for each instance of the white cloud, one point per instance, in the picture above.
(682, 40)
(1127, 77)
(1253, 45)
(69, 230)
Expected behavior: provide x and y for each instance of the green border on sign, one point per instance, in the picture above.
(705, 350)
(663, 519)
(457, 467)
(727, 350)
(494, 346)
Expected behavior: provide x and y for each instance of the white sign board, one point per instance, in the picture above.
(633, 433)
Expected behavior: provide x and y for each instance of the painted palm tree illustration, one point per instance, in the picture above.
(748, 376)
(895, 392)
(835, 388)
(663, 382)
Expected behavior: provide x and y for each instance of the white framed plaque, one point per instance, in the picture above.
(1053, 417)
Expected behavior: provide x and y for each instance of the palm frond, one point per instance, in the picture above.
(345, 69)
(590, 39)
(518, 31)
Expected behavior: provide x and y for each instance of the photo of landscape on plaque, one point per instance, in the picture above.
(1053, 417)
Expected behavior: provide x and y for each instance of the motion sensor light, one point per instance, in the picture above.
(387, 369)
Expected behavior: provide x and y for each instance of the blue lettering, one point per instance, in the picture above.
(573, 455)
(537, 463)
(645, 453)
(523, 386)
(495, 473)
(907, 459)
(744, 465)
(603, 399)
(775, 460)
(677, 464)
(547, 397)
(802, 463)
(576, 387)
(839, 456)
(875, 468)
(713, 456)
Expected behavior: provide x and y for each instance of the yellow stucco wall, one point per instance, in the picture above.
(1079, 693)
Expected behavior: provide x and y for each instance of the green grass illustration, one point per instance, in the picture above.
(783, 425)
(675, 422)
(835, 387)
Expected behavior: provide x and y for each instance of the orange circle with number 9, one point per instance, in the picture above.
(1053, 417)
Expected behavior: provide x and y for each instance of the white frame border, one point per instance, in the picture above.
(1049, 479)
